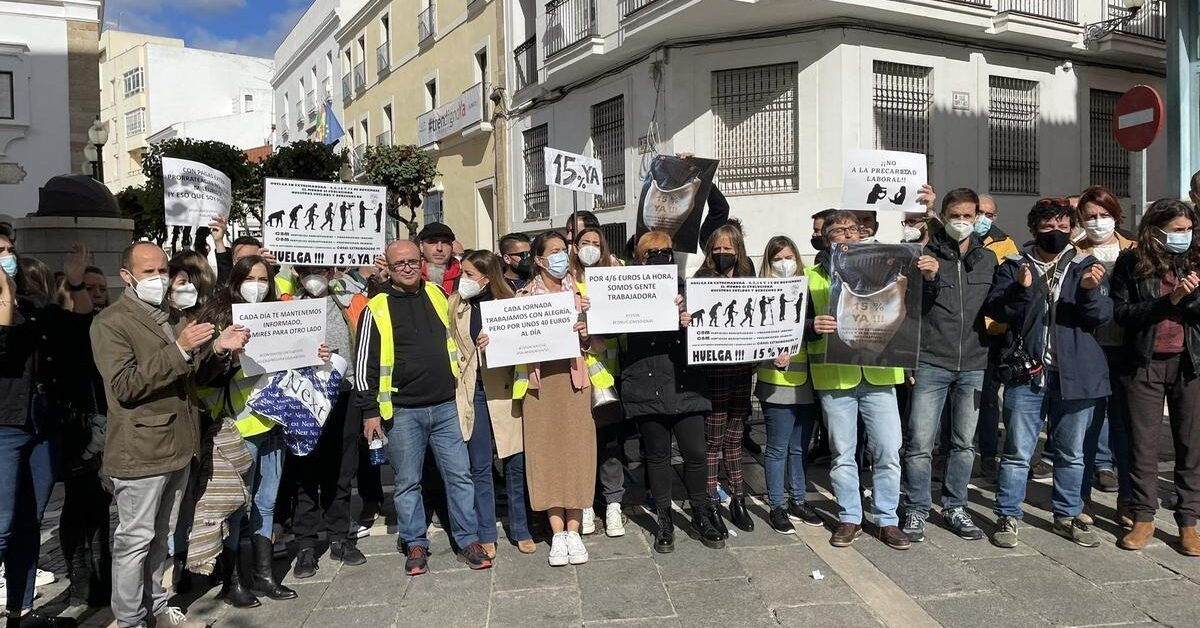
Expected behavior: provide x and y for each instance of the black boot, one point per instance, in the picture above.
(181, 576)
(702, 523)
(232, 589)
(664, 538)
(306, 563)
(263, 582)
(740, 515)
(714, 514)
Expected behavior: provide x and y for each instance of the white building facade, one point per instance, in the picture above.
(47, 94)
(1003, 96)
(153, 84)
(307, 74)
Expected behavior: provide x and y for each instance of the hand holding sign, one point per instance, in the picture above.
(884, 180)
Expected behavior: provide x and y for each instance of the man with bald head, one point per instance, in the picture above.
(151, 361)
(405, 381)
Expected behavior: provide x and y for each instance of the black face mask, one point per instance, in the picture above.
(660, 259)
(523, 268)
(817, 243)
(1052, 242)
(724, 262)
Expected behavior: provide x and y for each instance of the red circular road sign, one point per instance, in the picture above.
(1138, 118)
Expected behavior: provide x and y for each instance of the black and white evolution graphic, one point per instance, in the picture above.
(883, 180)
(744, 319)
(673, 198)
(875, 295)
(323, 224)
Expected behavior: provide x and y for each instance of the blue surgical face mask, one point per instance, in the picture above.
(9, 264)
(1177, 242)
(558, 264)
(983, 224)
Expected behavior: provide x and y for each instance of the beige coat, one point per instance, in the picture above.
(497, 385)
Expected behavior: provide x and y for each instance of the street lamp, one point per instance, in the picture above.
(94, 151)
(1133, 10)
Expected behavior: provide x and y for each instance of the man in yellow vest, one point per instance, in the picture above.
(846, 392)
(407, 363)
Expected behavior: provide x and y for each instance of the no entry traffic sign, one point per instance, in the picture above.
(1138, 118)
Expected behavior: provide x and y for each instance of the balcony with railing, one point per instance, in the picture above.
(1057, 10)
(384, 139)
(526, 60)
(310, 105)
(356, 161)
(1150, 22)
(326, 89)
(629, 7)
(427, 23)
(383, 57)
(360, 76)
(299, 115)
(568, 22)
(347, 91)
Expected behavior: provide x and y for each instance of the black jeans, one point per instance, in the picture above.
(83, 533)
(324, 477)
(688, 430)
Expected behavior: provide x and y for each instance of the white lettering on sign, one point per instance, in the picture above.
(574, 172)
(1136, 118)
(451, 118)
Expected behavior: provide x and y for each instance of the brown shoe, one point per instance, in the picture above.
(1137, 538)
(526, 546)
(845, 534)
(489, 549)
(1189, 541)
(1124, 515)
(894, 537)
(1086, 515)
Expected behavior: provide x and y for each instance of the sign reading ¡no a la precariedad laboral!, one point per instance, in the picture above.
(883, 180)
(320, 223)
(744, 319)
(631, 299)
(193, 193)
(283, 334)
(530, 329)
(574, 172)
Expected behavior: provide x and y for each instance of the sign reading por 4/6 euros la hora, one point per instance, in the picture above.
(574, 172)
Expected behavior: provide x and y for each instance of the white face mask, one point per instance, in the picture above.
(589, 255)
(185, 296)
(867, 322)
(784, 267)
(911, 234)
(960, 230)
(152, 289)
(866, 239)
(1099, 230)
(469, 288)
(316, 285)
(253, 291)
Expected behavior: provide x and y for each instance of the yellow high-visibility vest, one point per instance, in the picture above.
(387, 347)
(838, 376)
(248, 422)
(794, 376)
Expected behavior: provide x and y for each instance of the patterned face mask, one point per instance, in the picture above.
(867, 322)
(668, 209)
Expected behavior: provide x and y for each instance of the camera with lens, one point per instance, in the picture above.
(1018, 367)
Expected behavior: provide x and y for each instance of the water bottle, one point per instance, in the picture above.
(375, 452)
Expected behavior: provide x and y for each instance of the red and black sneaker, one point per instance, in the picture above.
(475, 557)
(418, 560)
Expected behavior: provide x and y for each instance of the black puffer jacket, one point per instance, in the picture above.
(36, 352)
(655, 377)
(1139, 306)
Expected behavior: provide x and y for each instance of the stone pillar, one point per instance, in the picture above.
(49, 238)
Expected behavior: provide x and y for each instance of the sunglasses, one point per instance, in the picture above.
(1060, 203)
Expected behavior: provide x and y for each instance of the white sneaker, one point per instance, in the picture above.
(614, 521)
(359, 531)
(558, 550)
(589, 521)
(576, 552)
(43, 578)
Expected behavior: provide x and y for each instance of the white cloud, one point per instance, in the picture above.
(262, 44)
(149, 16)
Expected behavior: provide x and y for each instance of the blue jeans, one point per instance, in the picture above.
(929, 396)
(881, 417)
(409, 433)
(27, 463)
(789, 430)
(1025, 408)
(263, 479)
(479, 448)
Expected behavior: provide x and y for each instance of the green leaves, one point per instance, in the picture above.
(407, 172)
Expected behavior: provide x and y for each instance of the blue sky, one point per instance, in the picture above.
(252, 27)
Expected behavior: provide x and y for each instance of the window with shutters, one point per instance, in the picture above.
(537, 195)
(1013, 108)
(901, 102)
(608, 145)
(1109, 162)
(755, 114)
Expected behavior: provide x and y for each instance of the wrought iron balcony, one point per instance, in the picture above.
(383, 57)
(1058, 10)
(360, 75)
(427, 23)
(568, 22)
(526, 59)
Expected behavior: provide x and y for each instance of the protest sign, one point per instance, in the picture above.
(883, 180)
(283, 334)
(744, 319)
(193, 193)
(875, 295)
(320, 223)
(530, 329)
(300, 400)
(673, 197)
(574, 172)
(630, 299)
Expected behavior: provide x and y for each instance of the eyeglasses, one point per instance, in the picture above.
(659, 253)
(404, 263)
(838, 232)
(521, 255)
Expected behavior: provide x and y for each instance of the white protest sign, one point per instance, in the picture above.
(574, 172)
(320, 223)
(283, 334)
(530, 329)
(193, 193)
(883, 180)
(745, 319)
(630, 299)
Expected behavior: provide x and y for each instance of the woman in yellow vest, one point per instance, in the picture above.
(591, 251)
(560, 436)
(487, 411)
(729, 384)
(846, 392)
(789, 408)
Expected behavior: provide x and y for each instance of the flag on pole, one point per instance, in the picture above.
(329, 130)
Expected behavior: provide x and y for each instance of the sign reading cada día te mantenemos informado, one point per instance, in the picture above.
(744, 319)
(283, 334)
